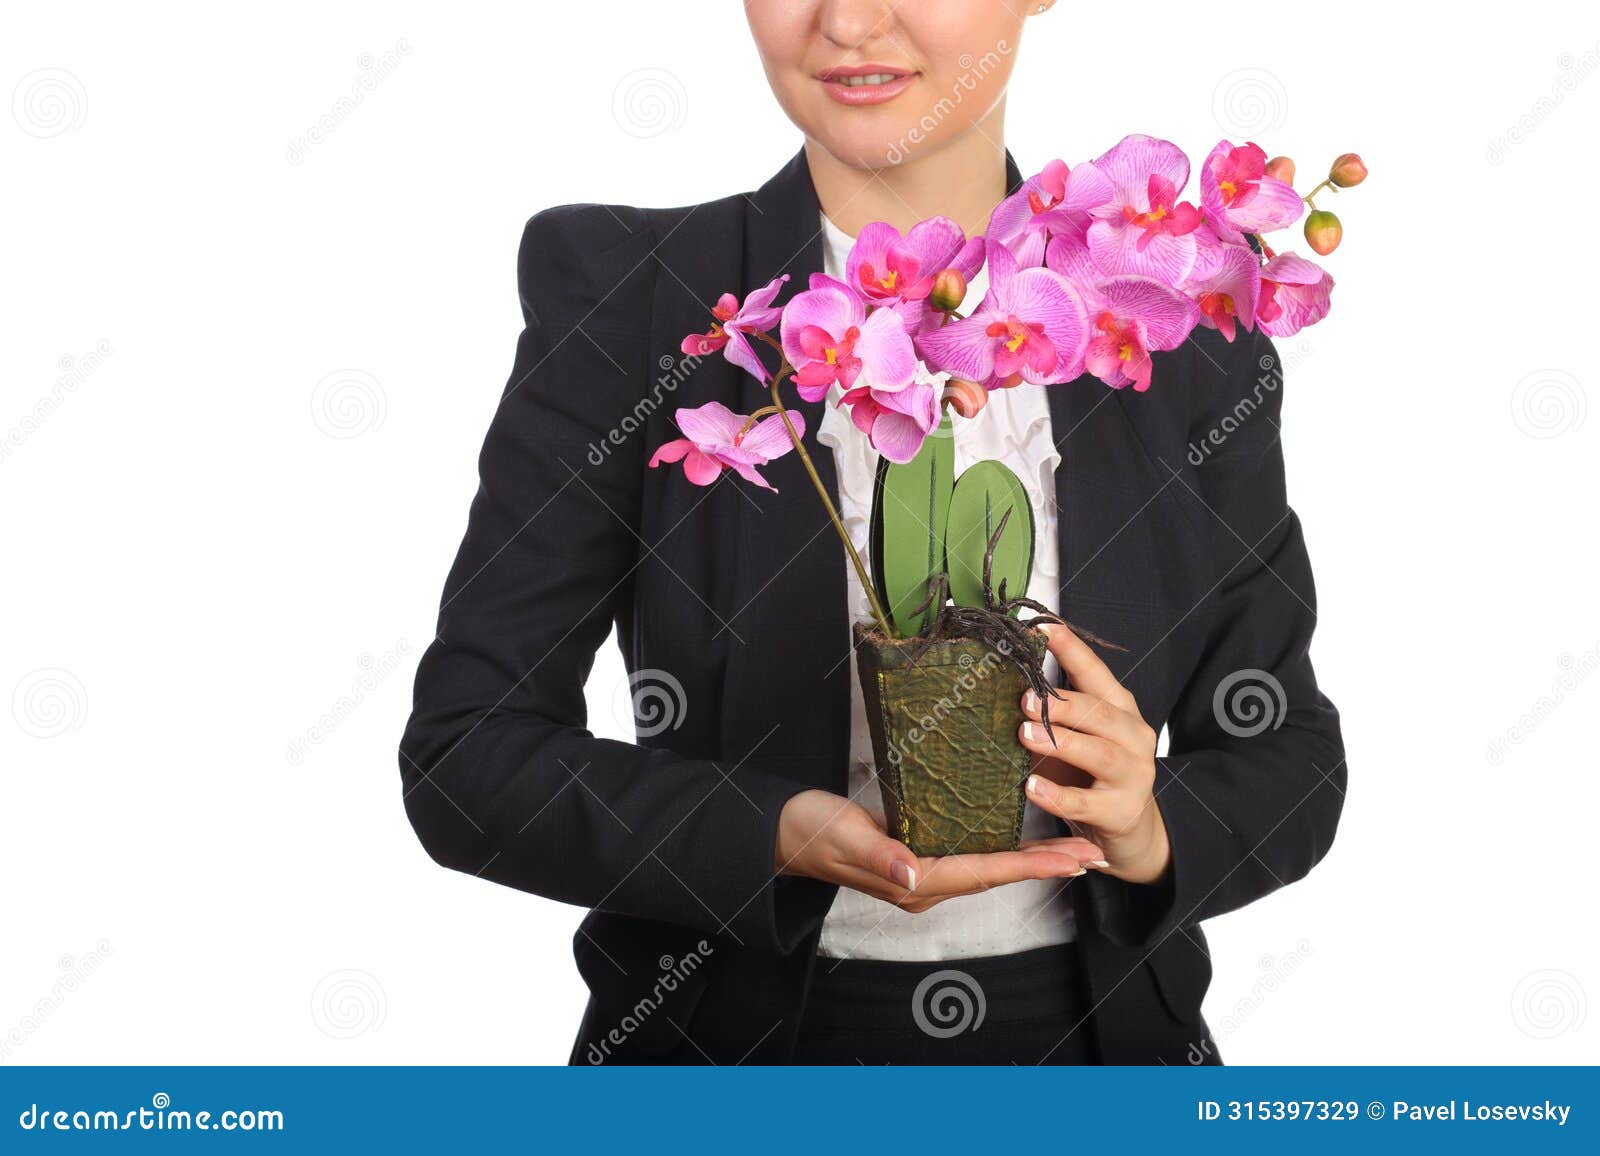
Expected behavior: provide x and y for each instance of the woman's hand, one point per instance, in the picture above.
(1101, 769)
(828, 837)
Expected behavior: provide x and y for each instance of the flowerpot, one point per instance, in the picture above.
(944, 738)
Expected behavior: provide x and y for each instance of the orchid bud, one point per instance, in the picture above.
(967, 398)
(1347, 171)
(1323, 231)
(949, 291)
(1282, 168)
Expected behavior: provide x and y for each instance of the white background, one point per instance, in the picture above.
(222, 562)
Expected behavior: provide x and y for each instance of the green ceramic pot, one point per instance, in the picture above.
(944, 738)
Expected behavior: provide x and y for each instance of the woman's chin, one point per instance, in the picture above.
(875, 138)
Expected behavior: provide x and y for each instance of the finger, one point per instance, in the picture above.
(1099, 809)
(1100, 757)
(858, 879)
(1086, 852)
(1083, 667)
(966, 874)
(1091, 715)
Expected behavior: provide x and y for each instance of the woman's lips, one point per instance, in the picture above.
(873, 84)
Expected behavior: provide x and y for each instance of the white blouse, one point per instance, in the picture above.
(1013, 428)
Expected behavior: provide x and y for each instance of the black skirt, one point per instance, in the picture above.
(1027, 1008)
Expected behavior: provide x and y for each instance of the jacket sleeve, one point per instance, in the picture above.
(501, 778)
(1254, 780)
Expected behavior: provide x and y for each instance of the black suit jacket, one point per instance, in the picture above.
(1176, 542)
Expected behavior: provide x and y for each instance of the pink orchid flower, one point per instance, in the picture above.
(1130, 316)
(1030, 327)
(898, 272)
(1294, 293)
(828, 337)
(732, 322)
(895, 422)
(1239, 197)
(1144, 229)
(715, 439)
(1226, 286)
(1057, 202)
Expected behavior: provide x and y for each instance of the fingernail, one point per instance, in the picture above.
(1036, 786)
(1030, 702)
(1079, 871)
(1033, 732)
(901, 874)
(1098, 863)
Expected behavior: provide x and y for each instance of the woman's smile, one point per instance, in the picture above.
(860, 84)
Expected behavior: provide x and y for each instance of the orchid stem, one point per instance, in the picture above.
(827, 504)
(764, 411)
(1327, 184)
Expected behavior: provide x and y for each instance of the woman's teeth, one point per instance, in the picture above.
(874, 78)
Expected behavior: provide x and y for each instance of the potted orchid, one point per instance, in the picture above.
(1091, 269)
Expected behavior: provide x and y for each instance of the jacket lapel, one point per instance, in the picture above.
(786, 699)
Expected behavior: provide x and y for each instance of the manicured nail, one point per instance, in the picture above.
(1098, 863)
(903, 875)
(1079, 871)
(1030, 702)
(1033, 732)
(1036, 786)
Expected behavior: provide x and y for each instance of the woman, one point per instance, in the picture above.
(746, 904)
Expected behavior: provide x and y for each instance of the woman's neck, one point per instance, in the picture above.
(963, 181)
